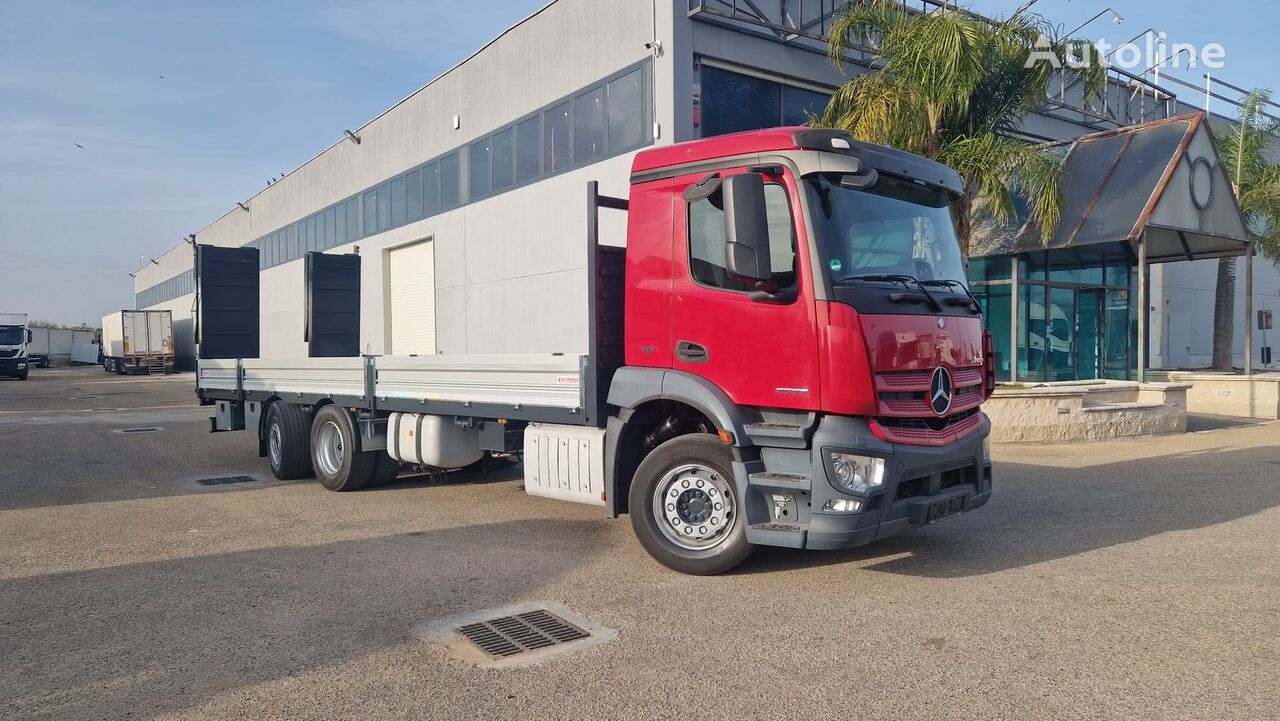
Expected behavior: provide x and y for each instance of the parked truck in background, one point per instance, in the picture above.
(785, 353)
(15, 336)
(137, 341)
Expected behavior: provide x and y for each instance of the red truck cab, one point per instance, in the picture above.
(801, 296)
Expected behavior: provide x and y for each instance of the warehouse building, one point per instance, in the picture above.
(456, 199)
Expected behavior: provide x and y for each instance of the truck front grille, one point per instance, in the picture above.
(929, 431)
(905, 394)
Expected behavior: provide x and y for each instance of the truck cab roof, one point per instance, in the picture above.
(649, 163)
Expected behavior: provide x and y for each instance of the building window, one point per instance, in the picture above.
(431, 189)
(450, 182)
(555, 141)
(504, 159)
(331, 227)
(588, 125)
(478, 171)
(799, 105)
(370, 212)
(413, 184)
(528, 142)
(353, 219)
(626, 111)
(384, 207)
(399, 202)
(731, 102)
(707, 243)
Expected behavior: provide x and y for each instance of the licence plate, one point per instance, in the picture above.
(943, 509)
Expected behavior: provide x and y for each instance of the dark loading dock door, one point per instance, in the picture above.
(333, 305)
(227, 302)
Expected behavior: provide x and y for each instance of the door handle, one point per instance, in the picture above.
(691, 352)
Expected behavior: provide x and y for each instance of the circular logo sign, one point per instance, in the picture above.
(1201, 183)
(941, 391)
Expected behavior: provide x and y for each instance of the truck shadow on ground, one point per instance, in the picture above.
(121, 641)
(1041, 513)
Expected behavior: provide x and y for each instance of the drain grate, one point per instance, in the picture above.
(508, 636)
(225, 480)
(139, 430)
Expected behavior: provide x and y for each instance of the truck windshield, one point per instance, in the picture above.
(11, 335)
(895, 228)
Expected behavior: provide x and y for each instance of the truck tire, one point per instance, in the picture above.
(333, 452)
(385, 469)
(288, 441)
(685, 507)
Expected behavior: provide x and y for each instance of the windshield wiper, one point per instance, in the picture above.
(948, 283)
(905, 280)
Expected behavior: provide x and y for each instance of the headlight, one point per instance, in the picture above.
(857, 474)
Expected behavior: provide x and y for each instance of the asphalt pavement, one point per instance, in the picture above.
(1135, 579)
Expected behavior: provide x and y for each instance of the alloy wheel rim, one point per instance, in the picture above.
(694, 507)
(273, 444)
(329, 448)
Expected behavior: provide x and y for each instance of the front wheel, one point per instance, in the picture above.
(685, 508)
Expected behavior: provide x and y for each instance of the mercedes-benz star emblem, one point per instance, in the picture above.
(941, 389)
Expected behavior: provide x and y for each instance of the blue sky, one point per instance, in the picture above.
(185, 107)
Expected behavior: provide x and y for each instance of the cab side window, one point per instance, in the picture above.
(706, 242)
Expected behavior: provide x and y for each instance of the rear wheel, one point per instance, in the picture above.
(685, 508)
(288, 445)
(333, 452)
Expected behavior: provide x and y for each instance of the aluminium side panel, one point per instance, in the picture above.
(503, 380)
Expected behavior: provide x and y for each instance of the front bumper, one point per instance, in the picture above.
(922, 484)
(13, 366)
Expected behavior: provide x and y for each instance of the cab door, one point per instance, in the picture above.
(759, 352)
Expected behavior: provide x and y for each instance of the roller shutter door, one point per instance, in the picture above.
(411, 288)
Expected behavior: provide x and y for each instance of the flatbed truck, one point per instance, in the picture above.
(785, 353)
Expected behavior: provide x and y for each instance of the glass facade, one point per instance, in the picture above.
(730, 102)
(1058, 315)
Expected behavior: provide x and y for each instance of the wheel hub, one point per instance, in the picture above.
(695, 507)
(329, 448)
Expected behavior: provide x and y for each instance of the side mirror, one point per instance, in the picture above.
(746, 227)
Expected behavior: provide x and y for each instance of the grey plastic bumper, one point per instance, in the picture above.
(950, 479)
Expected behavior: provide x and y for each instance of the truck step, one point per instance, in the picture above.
(784, 535)
(787, 481)
(778, 435)
(778, 527)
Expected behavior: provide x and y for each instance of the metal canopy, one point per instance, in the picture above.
(1161, 182)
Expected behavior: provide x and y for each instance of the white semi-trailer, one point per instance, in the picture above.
(14, 339)
(137, 341)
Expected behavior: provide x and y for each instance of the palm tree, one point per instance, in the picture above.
(953, 86)
(1246, 156)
